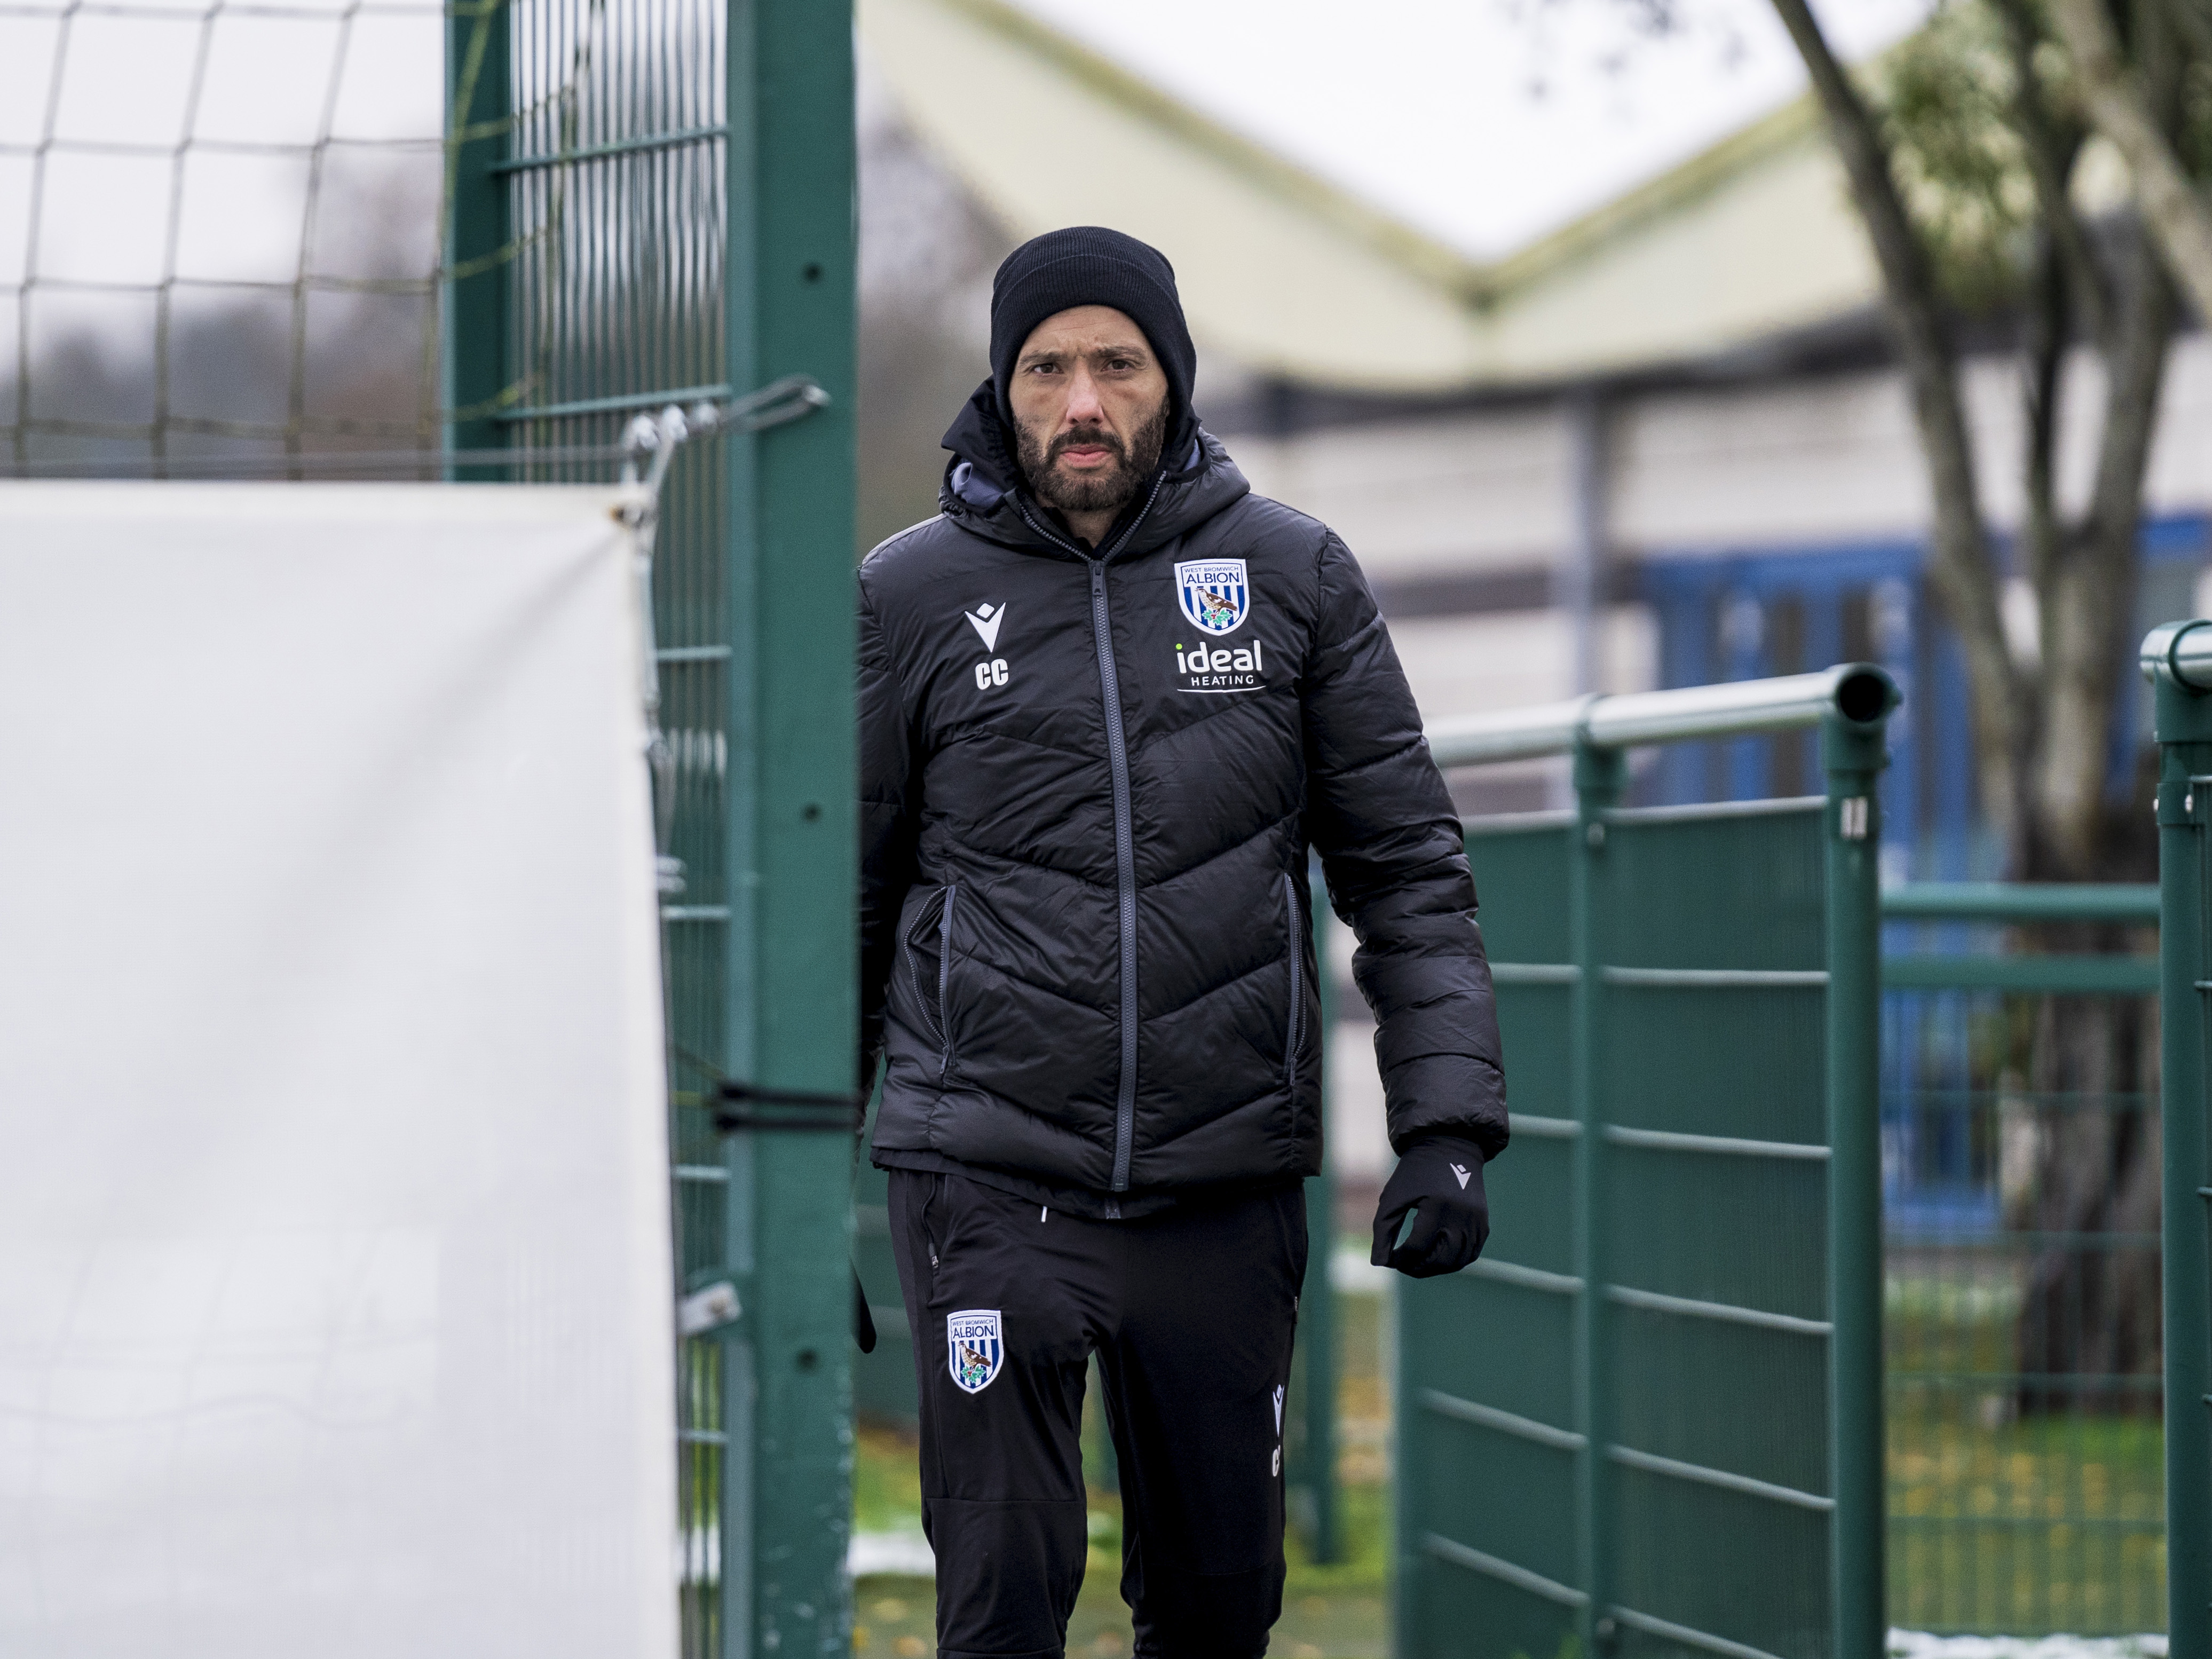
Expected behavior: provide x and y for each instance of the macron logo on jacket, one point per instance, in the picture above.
(985, 621)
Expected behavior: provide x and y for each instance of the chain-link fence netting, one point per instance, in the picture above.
(2025, 1449)
(219, 234)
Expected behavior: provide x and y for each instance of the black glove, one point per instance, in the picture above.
(1440, 1178)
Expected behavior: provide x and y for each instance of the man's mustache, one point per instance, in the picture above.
(1088, 437)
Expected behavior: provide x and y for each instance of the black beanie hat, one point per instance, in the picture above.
(1087, 266)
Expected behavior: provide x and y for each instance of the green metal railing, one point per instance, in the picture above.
(2178, 659)
(1651, 1418)
(650, 202)
(2023, 1443)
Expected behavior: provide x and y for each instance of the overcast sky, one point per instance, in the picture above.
(1485, 123)
(112, 91)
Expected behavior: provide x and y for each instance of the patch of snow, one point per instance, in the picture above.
(1919, 1644)
(902, 1554)
(1351, 1273)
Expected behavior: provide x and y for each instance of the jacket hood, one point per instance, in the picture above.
(984, 492)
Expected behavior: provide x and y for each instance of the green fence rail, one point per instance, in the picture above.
(652, 202)
(1650, 1420)
(2178, 659)
(2022, 1393)
(1310, 1446)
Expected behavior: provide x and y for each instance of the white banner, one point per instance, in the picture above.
(335, 1286)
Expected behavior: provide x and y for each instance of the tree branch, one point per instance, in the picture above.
(1961, 564)
(2177, 217)
(2041, 381)
(2194, 24)
(2050, 154)
(2087, 596)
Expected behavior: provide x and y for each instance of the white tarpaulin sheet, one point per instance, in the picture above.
(334, 1249)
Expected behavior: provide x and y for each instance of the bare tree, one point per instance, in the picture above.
(2040, 718)
(1966, 176)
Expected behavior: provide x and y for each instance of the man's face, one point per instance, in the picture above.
(1091, 404)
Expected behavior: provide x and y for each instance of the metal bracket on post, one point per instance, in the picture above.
(712, 1306)
(2176, 658)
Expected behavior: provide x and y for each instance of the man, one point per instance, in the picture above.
(1108, 699)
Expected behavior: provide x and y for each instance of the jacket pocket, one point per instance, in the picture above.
(929, 962)
(1294, 940)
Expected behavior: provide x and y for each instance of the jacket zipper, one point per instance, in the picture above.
(1298, 984)
(1125, 839)
(944, 983)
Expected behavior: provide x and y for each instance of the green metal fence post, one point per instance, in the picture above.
(1855, 752)
(478, 233)
(791, 987)
(1317, 1336)
(2183, 724)
(1598, 775)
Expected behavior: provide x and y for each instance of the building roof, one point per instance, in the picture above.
(1292, 276)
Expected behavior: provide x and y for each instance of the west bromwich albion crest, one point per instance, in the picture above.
(1215, 596)
(978, 1350)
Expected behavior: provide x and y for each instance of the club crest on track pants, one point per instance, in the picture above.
(1191, 1313)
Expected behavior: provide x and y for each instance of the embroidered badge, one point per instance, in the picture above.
(978, 1349)
(1213, 593)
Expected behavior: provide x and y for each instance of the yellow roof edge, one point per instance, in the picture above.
(1478, 284)
(1679, 186)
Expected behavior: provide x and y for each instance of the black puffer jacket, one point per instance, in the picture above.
(1086, 802)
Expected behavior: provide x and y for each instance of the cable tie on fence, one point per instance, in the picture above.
(779, 402)
(651, 441)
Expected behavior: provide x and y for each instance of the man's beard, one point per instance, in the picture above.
(1103, 491)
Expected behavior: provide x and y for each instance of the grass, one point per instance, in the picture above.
(2002, 1520)
(2043, 1524)
(886, 1482)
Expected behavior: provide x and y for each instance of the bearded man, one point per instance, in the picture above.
(1110, 700)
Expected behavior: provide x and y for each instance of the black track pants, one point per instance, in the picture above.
(1191, 1313)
